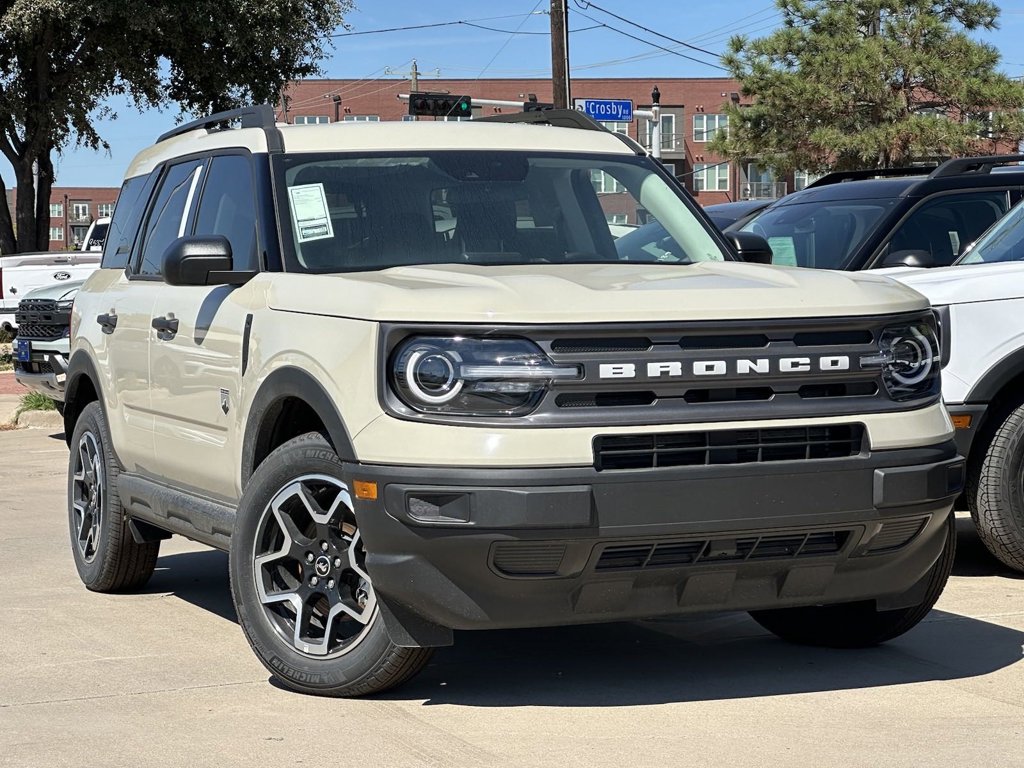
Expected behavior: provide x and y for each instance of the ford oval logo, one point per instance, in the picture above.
(61, 275)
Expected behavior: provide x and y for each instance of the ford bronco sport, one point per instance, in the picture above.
(402, 375)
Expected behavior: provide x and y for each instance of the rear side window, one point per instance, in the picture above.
(167, 218)
(942, 228)
(124, 226)
(227, 208)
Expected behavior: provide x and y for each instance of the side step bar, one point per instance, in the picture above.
(202, 520)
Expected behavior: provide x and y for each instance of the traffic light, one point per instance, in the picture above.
(440, 105)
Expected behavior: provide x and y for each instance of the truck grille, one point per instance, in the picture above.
(40, 319)
(727, 446)
(668, 554)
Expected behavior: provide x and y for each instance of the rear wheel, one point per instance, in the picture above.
(106, 555)
(995, 491)
(861, 624)
(299, 581)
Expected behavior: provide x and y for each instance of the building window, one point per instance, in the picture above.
(57, 233)
(361, 118)
(408, 118)
(105, 209)
(311, 119)
(668, 132)
(79, 211)
(56, 210)
(603, 183)
(711, 177)
(617, 218)
(803, 179)
(705, 127)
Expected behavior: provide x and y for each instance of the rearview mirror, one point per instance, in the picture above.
(909, 258)
(751, 248)
(201, 260)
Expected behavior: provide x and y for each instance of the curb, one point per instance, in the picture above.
(41, 420)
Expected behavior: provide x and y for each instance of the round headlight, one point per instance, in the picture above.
(432, 376)
(912, 358)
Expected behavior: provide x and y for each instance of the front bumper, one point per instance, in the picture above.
(45, 372)
(490, 548)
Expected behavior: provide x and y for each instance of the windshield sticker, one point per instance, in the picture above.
(783, 251)
(310, 214)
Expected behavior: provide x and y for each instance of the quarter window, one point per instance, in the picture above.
(167, 218)
(227, 208)
(705, 127)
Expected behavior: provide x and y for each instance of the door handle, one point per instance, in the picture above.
(108, 322)
(166, 327)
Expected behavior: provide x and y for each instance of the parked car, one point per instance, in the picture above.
(23, 273)
(913, 217)
(398, 432)
(981, 303)
(42, 346)
(735, 214)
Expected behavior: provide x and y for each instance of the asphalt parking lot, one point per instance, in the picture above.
(165, 677)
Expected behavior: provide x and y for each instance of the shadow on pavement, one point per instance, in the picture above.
(199, 578)
(678, 659)
(972, 558)
(693, 659)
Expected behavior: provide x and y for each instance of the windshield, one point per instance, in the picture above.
(353, 213)
(1003, 242)
(822, 234)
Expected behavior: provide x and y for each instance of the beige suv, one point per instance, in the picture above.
(406, 376)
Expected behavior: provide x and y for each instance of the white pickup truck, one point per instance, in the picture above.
(22, 273)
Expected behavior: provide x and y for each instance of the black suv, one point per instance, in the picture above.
(901, 217)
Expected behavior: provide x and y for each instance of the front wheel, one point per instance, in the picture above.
(995, 492)
(861, 624)
(299, 581)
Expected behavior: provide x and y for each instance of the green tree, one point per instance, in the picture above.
(60, 60)
(847, 84)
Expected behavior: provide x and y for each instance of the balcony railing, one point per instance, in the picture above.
(762, 190)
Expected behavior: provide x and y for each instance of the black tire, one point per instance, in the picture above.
(995, 490)
(354, 656)
(106, 555)
(861, 624)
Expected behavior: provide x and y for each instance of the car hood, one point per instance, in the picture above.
(966, 283)
(578, 293)
(58, 291)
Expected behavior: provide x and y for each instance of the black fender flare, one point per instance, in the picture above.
(80, 366)
(293, 382)
(997, 377)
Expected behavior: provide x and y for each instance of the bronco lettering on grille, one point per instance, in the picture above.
(739, 367)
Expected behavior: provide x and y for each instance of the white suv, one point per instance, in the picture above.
(404, 374)
(981, 302)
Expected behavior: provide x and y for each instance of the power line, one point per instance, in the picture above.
(586, 5)
(653, 45)
(428, 26)
(509, 40)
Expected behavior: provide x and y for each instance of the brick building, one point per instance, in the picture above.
(72, 210)
(691, 113)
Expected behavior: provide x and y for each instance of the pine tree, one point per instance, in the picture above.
(847, 84)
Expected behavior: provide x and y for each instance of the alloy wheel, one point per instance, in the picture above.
(88, 495)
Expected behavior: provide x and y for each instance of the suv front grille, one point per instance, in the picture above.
(40, 319)
(727, 446)
(668, 554)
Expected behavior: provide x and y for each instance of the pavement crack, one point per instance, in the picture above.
(132, 693)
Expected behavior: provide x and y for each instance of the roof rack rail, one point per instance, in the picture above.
(959, 165)
(838, 177)
(560, 118)
(256, 116)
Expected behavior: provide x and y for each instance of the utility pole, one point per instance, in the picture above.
(560, 84)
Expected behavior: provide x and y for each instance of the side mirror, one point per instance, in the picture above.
(201, 260)
(751, 248)
(909, 258)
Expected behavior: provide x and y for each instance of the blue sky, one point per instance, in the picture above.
(470, 52)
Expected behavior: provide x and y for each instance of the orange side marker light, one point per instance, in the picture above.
(365, 490)
(962, 421)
